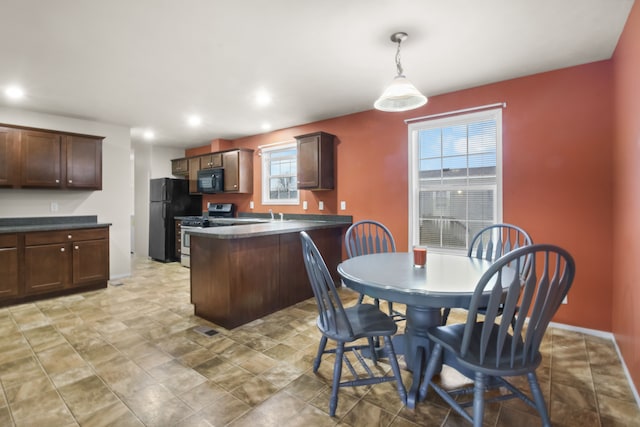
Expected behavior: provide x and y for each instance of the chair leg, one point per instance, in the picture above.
(337, 374)
(479, 386)
(318, 359)
(390, 309)
(538, 398)
(436, 355)
(360, 298)
(373, 344)
(396, 369)
(445, 315)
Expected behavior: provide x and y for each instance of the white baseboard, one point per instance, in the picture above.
(607, 335)
(592, 332)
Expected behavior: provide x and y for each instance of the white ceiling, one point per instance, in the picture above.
(152, 63)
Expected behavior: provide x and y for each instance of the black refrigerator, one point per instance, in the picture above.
(169, 198)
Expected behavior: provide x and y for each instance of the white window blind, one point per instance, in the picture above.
(455, 178)
(279, 175)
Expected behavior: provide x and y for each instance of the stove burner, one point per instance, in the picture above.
(195, 222)
(214, 211)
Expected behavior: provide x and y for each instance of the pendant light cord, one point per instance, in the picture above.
(398, 64)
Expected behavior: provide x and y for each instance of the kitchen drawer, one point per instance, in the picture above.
(8, 240)
(60, 236)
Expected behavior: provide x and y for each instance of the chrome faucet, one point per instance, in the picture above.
(271, 212)
(281, 216)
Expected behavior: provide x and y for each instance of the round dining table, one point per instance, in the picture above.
(447, 280)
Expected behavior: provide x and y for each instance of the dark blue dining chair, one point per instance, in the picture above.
(491, 243)
(371, 237)
(483, 348)
(347, 325)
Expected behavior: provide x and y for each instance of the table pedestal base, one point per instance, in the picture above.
(414, 345)
(417, 347)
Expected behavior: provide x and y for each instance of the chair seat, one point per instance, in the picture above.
(366, 321)
(450, 337)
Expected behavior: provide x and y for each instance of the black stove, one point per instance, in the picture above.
(214, 211)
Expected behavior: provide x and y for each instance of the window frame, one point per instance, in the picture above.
(266, 162)
(413, 130)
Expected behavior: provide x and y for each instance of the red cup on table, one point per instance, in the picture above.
(419, 256)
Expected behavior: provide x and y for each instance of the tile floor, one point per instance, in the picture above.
(128, 356)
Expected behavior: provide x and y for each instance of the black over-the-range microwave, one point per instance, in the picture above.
(211, 180)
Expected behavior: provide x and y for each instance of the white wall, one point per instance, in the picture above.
(114, 204)
(150, 162)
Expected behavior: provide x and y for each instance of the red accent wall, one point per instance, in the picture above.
(557, 138)
(626, 177)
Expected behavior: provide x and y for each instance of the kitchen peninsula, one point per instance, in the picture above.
(243, 272)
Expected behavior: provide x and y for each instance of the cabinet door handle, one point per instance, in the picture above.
(76, 247)
(70, 181)
(61, 249)
(57, 181)
(69, 237)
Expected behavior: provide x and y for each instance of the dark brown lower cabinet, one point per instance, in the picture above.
(235, 281)
(90, 262)
(8, 265)
(178, 251)
(46, 268)
(51, 263)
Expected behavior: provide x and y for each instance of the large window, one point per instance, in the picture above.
(279, 175)
(455, 178)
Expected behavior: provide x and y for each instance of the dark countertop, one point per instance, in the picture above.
(49, 223)
(265, 228)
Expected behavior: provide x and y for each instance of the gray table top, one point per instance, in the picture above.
(446, 281)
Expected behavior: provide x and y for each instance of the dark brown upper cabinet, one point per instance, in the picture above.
(84, 162)
(195, 164)
(210, 161)
(315, 161)
(8, 154)
(238, 171)
(180, 167)
(34, 158)
(40, 159)
(237, 164)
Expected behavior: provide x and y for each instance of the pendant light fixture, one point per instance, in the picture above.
(400, 95)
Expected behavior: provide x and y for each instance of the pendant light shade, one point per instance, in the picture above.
(400, 95)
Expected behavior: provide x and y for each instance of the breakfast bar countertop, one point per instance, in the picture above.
(49, 223)
(267, 228)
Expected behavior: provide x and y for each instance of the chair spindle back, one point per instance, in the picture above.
(368, 237)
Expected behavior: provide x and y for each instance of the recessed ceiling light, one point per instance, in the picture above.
(14, 92)
(266, 126)
(194, 120)
(148, 134)
(263, 98)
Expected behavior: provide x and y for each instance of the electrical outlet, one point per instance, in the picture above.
(54, 207)
(305, 205)
(251, 204)
(565, 300)
(321, 205)
(343, 205)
